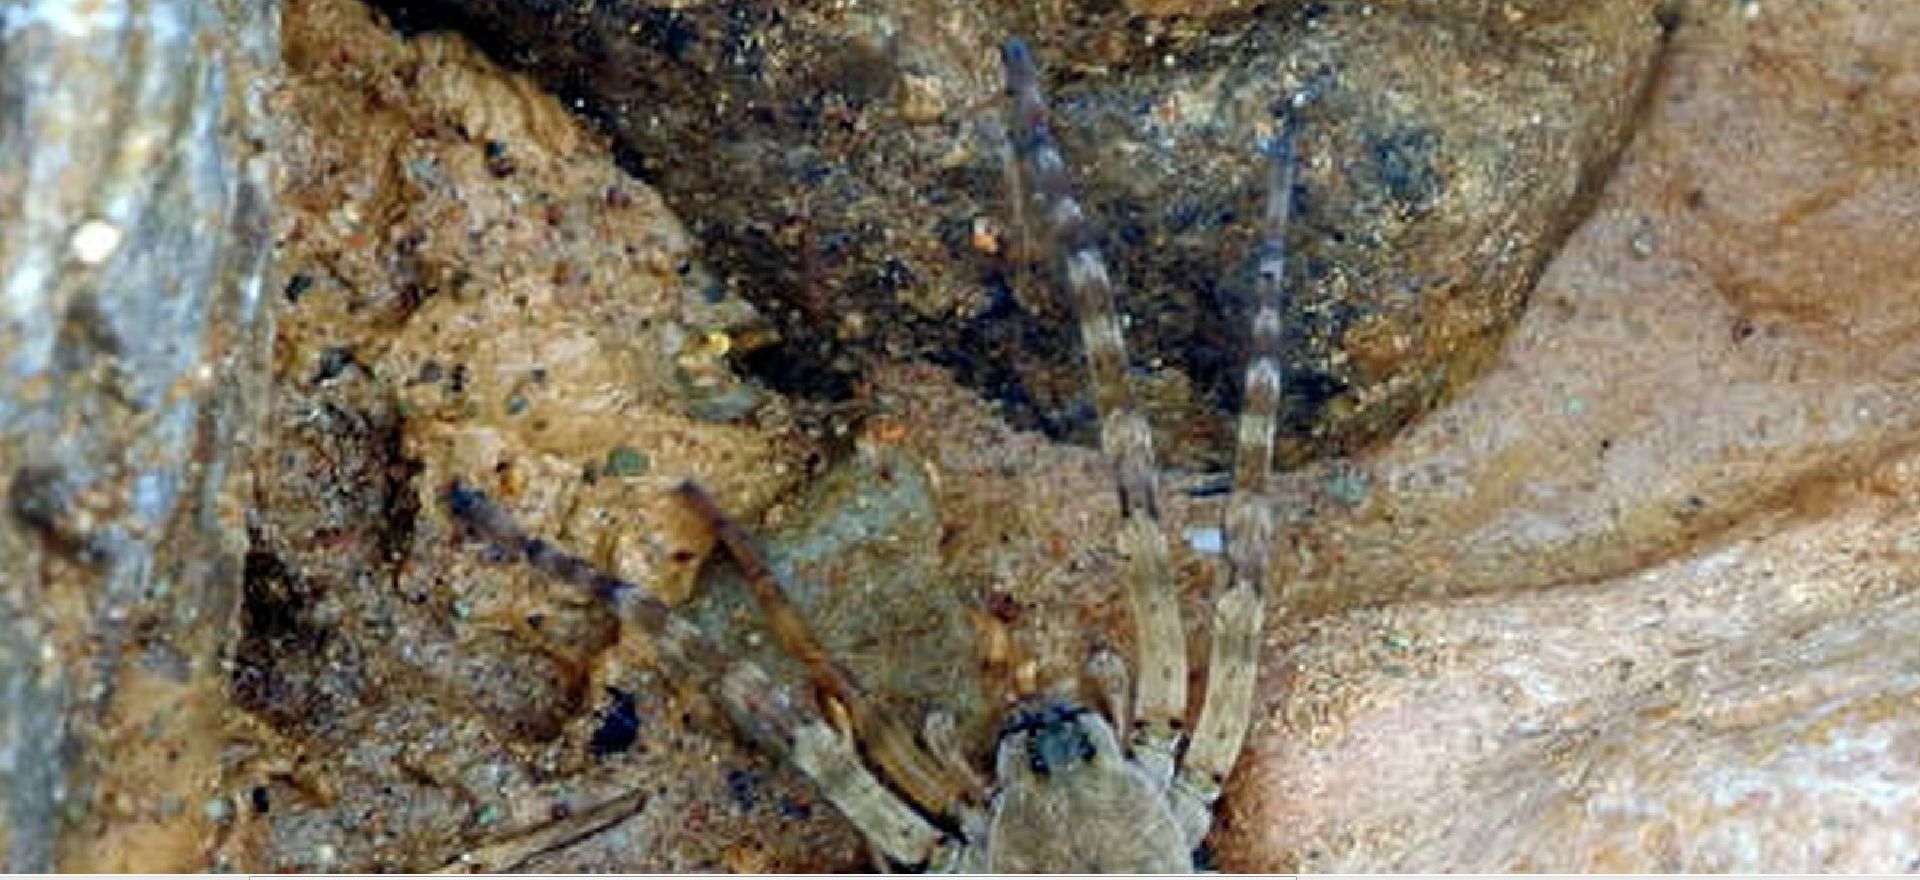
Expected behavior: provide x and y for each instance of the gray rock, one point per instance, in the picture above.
(838, 160)
(134, 236)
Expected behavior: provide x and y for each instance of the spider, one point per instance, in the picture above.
(1121, 788)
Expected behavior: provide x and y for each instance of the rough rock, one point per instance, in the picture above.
(1650, 574)
(845, 167)
(471, 291)
(133, 246)
(1686, 496)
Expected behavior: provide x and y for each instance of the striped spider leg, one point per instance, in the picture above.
(1069, 792)
(824, 750)
(1191, 771)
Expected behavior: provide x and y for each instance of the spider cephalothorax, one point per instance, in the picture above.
(1053, 738)
(1124, 788)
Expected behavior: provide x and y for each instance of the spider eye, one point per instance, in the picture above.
(1058, 746)
(1036, 762)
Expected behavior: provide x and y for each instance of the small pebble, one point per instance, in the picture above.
(95, 241)
(626, 461)
(923, 99)
(1641, 244)
(1206, 540)
(1347, 487)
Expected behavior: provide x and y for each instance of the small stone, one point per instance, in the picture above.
(626, 461)
(95, 241)
(986, 235)
(1347, 487)
(922, 98)
(217, 810)
(1642, 242)
(730, 405)
(1207, 541)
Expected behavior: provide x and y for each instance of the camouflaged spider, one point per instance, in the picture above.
(1068, 793)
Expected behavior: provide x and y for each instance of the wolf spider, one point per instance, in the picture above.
(1069, 793)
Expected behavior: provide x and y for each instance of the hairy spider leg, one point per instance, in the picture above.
(759, 706)
(1233, 665)
(927, 781)
(1160, 702)
(678, 642)
(830, 758)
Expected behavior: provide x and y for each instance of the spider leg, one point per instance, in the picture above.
(829, 758)
(1227, 711)
(1109, 675)
(763, 710)
(1161, 688)
(942, 737)
(925, 780)
(680, 644)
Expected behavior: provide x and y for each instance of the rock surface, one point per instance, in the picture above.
(470, 290)
(1686, 498)
(844, 164)
(133, 246)
(1639, 599)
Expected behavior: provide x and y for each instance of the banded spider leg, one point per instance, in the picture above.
(1158, 733)
(1068, 794)
(826, 750)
